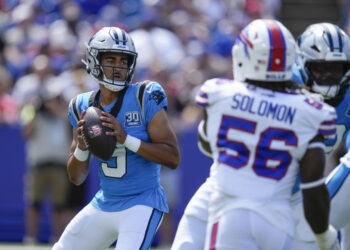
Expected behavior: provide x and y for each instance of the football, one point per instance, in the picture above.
(100, 144)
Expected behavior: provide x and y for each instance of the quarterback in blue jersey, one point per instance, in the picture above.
(130, 203)
(323, 66)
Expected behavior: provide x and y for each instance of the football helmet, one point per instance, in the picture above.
(264, 51)
(115, 40)
(324, 57)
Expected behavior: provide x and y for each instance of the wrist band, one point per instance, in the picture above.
(312, 184)
(317, 145)
(132, 143)
(81, 155)
(326, 239)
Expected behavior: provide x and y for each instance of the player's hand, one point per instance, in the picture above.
(82, 144)
(111, 122)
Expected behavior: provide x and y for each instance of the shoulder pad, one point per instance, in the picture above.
(209, 91)
(140, 94)
(74, 105)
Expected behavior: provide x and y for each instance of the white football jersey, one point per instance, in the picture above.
(258, 136)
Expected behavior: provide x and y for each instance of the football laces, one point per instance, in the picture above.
(86, 144)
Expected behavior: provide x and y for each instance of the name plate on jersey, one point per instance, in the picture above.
(132, 119)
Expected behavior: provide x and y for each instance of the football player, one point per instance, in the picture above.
(130, 204)
(317, 47)
(262, 130)
(323, 66)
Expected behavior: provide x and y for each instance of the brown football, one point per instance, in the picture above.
(100, 144)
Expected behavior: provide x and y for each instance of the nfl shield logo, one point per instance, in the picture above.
(95, 131)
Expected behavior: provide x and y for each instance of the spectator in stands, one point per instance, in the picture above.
(47, 143)
(8, 105)
(46, 130)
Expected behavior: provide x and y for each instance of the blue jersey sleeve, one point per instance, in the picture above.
(76, 106)
(347, 140)
(154, 99)
(73, 113)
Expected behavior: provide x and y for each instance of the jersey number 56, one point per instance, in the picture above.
(264, 153)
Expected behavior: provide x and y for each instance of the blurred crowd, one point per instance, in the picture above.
(180, 44)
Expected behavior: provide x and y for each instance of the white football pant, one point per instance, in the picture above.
(190, 233)
(93, 229)
(239, 229)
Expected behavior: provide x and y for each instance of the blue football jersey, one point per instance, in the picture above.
(343, 128)
(127, 179)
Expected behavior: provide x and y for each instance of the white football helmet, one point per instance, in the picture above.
(324, 56)
(110, 39)
(265, 50)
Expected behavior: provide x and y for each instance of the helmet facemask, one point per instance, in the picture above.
(325, 77)
(115, 78)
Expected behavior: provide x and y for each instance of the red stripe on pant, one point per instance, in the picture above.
(213, 236)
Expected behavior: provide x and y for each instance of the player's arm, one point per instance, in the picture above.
(203, 141)
(78, 160)
(315, 195)
(162, 149)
